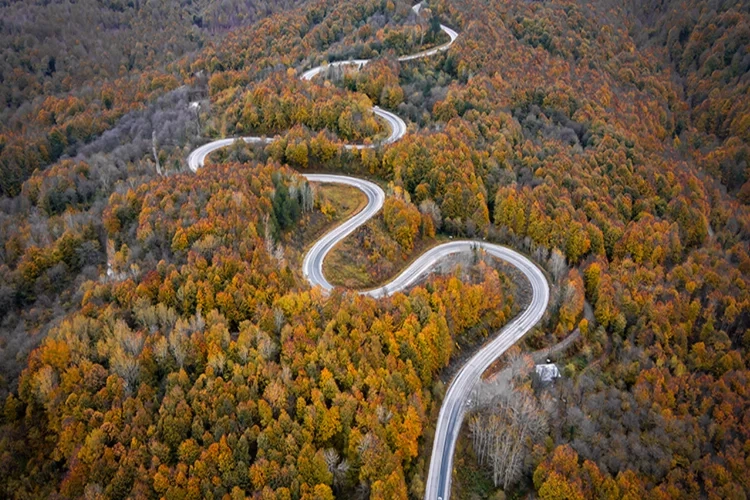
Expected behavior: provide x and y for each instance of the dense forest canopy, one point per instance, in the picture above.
(158, 338)
(708, 45)
(70, 69)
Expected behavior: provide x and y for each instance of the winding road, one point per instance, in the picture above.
(454, 404)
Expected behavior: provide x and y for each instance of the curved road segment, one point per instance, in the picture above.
(312, 73)
(454, 405)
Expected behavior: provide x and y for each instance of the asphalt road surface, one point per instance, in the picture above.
(455, 402)
(454, 405)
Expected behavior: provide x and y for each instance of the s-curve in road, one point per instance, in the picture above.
(454, 404)
(313, 72)
(397, 126)
(312, 266)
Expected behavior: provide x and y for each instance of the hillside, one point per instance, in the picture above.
(159, 338)
(71, 69)
(708, 46)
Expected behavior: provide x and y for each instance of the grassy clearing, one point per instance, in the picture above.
(341, 270)
(336, 203)
(339, 201)
(370, 257)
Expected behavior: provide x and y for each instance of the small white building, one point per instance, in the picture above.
(548, 372)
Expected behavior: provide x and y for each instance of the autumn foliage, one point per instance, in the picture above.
(181, 352)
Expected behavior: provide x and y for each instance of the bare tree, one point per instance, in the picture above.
(384, 414)
(338, 469)
(178, 345)
(155, 151)
(308, 197)
(266, 346)
(275, 250)
(127, 367)
(278, 319)
(556, 265)
(431, 208)
(502, 433)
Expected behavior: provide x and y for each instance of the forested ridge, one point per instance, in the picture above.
(707, 45)
(182, 353)
(70, 69)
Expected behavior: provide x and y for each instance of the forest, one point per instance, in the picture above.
(71, 69)
(157, 336)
